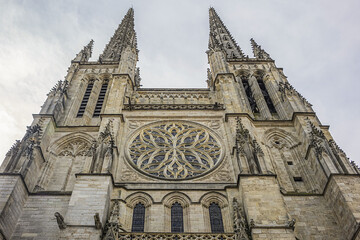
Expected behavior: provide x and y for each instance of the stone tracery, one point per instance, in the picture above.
(175, 150)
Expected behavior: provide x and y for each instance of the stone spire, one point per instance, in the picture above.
(259, 53)
(85, 53)
(123, 37)
(220, 37)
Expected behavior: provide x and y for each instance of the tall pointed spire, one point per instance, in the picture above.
(220, 37)
(85, 53)
(258, 51)
(123, 37)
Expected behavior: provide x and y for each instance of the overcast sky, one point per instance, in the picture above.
(316, 42)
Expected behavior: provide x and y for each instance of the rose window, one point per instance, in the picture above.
(174, 150)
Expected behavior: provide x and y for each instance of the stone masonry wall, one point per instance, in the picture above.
(343, 195)
(37, 220)
(262, 200)
(314, 218)
(91, 195)
(273, 234)
(13, 195)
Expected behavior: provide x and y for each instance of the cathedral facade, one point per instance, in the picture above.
(244, 158)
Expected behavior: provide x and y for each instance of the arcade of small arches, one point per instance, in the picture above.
(177, 211)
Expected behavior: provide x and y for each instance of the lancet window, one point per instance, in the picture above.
(177, 221)
(138, 218)
(249, 94)
(216, 221)
(85, 99)
(100, 100)
(266, 95)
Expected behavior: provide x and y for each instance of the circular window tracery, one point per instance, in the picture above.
(174, 150)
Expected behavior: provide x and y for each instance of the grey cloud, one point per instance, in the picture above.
(316, 42)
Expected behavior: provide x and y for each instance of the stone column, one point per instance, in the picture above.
(245, 105)
(116, 94)
(259, 98)
(225, 85)
(271, 87)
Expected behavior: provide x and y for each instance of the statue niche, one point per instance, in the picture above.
(248, 148)
(241, 226)
(102, 151)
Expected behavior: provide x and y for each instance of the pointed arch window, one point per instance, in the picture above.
(177, 221)
(85, 99)
(216, 221)
(266, 95)
(101, 98)
(249, 94)
(138, 218)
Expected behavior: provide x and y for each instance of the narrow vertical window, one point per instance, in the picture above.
(138, 218)
(85, 99)
(177, 223)
(249, 94)
(100, 100)
(266, 95)
(216, 221)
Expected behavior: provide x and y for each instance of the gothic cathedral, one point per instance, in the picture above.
(244, 158)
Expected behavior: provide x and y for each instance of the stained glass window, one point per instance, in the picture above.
(216, 221)
(177, 223)
(138, 218)
(174, 150)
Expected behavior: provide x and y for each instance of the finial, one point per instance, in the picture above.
(220, 37)
(258, 51)
(123, 37)
(85, 54)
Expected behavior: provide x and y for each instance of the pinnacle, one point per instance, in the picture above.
(123, 37)
(258, 51)
(220, 37)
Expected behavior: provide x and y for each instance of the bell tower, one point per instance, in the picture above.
(244, 158)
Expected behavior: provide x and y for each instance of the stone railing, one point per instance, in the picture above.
(177, 236)
(215, 106)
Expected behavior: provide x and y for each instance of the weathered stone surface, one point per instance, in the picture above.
(37, 220)
(251, 139)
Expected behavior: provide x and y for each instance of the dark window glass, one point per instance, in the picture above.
(216, 221)
(100, 100)
(177, 223)
(266, 96)
(138, 218)
(85, 100)
(249, 94)
(298, 179)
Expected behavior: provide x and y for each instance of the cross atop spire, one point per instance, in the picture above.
(258, 51)
(220, 37)
(85, 53)
(123, 37)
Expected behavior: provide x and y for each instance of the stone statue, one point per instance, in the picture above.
(60, 220)
(98, 224)
(241, 228)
